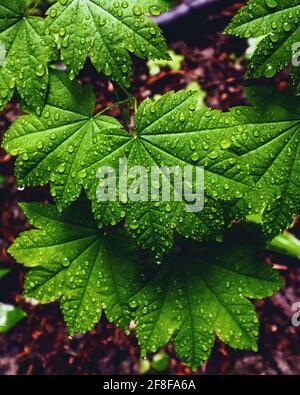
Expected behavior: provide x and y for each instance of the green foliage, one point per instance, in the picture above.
(271, 153)
(160, 362)
(27, 54)
(86, 253)
(286, 244)
(278, 22)
(205, 294)
(72, 260)
(51, 147)
(90, 271)
(174, 64)
(68, 144)
(169, 132)
(107, 31)
(9, 315)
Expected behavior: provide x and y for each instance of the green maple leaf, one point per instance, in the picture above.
(205, 294)
(172, 132)
(68, 144)
(72, 260)
(52, 147)
(272, 155)
(278, 21)
(26, 52)
(107, 31)
(243, 153)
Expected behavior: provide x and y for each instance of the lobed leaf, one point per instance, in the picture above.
(278, 21)
(107, 31)
(68, 144)
(72, 260)
(90, 271)
(205, 296)
(26, 52)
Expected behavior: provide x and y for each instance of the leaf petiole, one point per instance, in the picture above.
(117, 104)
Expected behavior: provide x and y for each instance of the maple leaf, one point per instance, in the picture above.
(272, 156)
(171, 132)
(107, 31)
(52, 147)
(72, 260)
(26, 52)
(68, 144)
(278, 23)
(205, 295)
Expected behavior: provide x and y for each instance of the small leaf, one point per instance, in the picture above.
(285, 244)
(27, 52)
(174, 64)
(271, 154)
(278, 22)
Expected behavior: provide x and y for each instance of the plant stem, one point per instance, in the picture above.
(120, 91)
(33, 5)
(120, 103)
(285, 244)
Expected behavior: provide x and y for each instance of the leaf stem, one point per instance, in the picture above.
(31, 6)
(285, 244)
(120, 91)
(117, 104)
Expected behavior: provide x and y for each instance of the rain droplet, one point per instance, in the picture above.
(271, 3)
(61, 168)
(154, 10)
(134, 224)
(137, 10)
(40, 70)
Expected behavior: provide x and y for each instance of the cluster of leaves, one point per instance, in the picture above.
(105, 30)
(206, 269)
(243, 152)
(90, 270)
